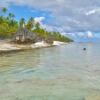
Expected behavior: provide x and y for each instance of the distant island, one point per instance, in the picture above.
(17, 35)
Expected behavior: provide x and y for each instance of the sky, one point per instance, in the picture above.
(77, 18)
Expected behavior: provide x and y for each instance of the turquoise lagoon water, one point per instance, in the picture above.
(56, 73)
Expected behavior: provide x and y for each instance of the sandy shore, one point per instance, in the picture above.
(7, 46)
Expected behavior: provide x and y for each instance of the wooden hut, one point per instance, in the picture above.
(23, 35)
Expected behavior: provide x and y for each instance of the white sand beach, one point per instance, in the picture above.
(57, 43)
(7, 46)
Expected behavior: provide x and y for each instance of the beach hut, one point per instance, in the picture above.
(23, 35)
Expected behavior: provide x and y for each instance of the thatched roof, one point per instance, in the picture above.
(23, 35)
(26, 33)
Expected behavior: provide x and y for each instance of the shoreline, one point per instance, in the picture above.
(6, 46)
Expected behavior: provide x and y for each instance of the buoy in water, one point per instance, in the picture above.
(84, 48)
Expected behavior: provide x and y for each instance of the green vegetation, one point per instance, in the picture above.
(9, 26)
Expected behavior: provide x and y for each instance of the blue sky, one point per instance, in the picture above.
(65, 16)
(26, 12)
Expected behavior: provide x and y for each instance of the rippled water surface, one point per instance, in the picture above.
(56, 73)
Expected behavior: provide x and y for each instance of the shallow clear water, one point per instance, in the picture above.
(56, 73)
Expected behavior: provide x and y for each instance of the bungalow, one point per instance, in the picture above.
(23, 35)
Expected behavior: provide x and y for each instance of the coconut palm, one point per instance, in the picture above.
(22, 22)
(1, 19)
(37, 26)
(4, 10)
(11, 15)
(30, 23)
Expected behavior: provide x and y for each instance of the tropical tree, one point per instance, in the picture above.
(9, 26)
(22, 22)
(30, 23)
(12, 23)
(1, 19)
(4, 10)
(37, 26)
(11, 15)
(11, 20)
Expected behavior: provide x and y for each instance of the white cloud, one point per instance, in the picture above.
(87, 34)
(39, 19)
(93, 11)
(70, 15)
(90, 34)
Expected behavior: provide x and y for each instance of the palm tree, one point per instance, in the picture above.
(1, 19)
(32, 19)
(22, 22)
(11, 15)
(30, 23)
(12, 23)
(4, 10)
(37, 25)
